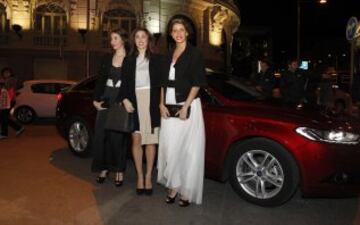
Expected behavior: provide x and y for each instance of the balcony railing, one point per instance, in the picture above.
(50, 40)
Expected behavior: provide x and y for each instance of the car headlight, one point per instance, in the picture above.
(329, 136)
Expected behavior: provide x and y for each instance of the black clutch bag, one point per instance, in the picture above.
(119, 120)
(105, 103)
(173, 109)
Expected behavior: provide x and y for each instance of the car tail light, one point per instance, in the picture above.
(59, 97)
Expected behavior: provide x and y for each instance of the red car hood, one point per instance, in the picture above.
(305, 116)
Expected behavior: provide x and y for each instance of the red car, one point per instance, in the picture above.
(265, 149)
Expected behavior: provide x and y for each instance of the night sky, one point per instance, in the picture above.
(322, 25)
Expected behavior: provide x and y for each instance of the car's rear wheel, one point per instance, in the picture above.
(263, 172)
(25, 114)
(79, 137)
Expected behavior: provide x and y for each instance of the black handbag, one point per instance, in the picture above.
(173, 109)
(119, 120)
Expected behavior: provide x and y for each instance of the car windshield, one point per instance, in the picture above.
(233, 88)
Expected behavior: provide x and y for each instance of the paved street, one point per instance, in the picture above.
(42, 183)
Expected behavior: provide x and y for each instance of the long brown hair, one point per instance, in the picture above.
(124, 37)
(149, 49)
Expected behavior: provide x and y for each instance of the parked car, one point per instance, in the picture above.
(37, 99)
(265, 149)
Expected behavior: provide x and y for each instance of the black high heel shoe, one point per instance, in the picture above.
(101, 179)
(170, 200)
(140, 191)
(118, 182)
(184, 203)
(148, 192)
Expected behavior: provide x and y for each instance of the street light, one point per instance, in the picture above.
(322, 2)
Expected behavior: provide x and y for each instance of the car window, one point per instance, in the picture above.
(232, 89)
(87, 85)
(46, 88)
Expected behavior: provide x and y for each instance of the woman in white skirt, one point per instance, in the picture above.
(141, 95)
(182, 134)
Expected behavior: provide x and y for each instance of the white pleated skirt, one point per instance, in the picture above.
(181, 154)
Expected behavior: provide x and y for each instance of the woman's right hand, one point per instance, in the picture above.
(98, 105)
(164, 111)
(128, 106)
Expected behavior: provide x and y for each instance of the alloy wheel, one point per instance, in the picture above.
(78, 137)
(259, 174)
(24, 115)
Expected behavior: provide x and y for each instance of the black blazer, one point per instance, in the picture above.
(128, 86)
(103, 73)
(189, 72)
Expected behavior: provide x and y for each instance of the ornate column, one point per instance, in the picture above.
(218, 17)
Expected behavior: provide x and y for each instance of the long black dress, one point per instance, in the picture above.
(109, 147)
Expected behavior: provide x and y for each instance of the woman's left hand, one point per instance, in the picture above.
(182, 113)
(128, 106)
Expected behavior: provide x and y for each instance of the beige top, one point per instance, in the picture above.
(142, 73)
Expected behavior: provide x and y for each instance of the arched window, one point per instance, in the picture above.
(114, 19)
(50, 25)
(4, 22)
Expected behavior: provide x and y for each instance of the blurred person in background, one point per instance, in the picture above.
(326, 93)
(293, 84)
(10, 84)
(265, 79)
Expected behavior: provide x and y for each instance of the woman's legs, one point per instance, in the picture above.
(137, 152)
(150, 152)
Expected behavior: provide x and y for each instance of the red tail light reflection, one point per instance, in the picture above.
(59, 97)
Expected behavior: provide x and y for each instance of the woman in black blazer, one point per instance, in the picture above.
(110, 147)
(141, 95)
(182, 134)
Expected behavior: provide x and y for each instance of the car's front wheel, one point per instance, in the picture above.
(79, 137)
(263, 172)
(25, 114)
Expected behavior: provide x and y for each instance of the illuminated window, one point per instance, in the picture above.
(115, 19)
(50, 25)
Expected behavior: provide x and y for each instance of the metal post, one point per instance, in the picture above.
(352, 64)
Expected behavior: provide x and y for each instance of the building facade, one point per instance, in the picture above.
(65, 39)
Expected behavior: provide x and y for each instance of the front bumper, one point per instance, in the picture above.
(329, 169)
